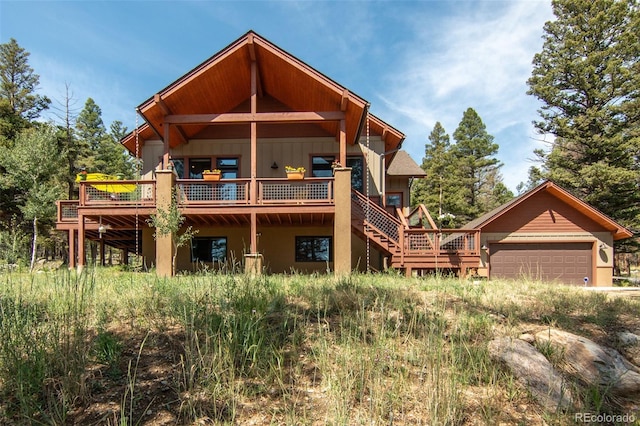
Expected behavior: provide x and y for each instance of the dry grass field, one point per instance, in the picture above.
(111, 347)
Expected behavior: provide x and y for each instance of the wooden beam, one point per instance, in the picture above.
(345, 100)
(258, 117)
(343, 143)
(252, 47)
(157, 99)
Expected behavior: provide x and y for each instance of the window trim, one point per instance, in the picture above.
(300, 238)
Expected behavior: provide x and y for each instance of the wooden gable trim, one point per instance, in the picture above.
(619, 232)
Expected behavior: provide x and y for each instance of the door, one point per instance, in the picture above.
(568, 263)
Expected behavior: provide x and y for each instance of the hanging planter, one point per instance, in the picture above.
(212, 174)
(295, 173)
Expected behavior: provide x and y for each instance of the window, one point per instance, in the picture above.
(197, 166)
(228, 167)
(394, 199)
(208, 249)
(321, 166)
(314, 249)
(178, 166)
(357, 173)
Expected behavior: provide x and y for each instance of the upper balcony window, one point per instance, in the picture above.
(321, 166)
(197, 166)
(228, 166)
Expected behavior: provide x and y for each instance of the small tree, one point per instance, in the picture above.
(169, 222)
(32, 172)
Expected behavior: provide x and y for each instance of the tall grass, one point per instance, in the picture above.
(273, 349)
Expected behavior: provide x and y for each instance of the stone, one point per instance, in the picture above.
(594, 364)
(627, 338)
(527, 337)
(533, 370)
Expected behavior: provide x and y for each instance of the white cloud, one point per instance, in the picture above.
(478, 57)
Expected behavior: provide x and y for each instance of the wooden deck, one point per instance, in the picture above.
(411, 243)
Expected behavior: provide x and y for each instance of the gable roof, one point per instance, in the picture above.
(222, 84)
(619, 232)
(403, 165)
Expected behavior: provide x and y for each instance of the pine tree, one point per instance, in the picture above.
(430, 190)
(588, 78)
(476, 168)
(18, 82)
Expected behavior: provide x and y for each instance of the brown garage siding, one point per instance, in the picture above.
(543, 213)
(568, 263)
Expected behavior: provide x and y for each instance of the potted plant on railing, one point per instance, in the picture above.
(295, 173)
(211, 174)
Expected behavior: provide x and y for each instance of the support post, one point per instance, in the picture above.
(342, 221)
(81, 256)
(72, 248)
(343, 143)
(165, 181)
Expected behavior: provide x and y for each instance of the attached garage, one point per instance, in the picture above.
(550, 235)
(567, 263)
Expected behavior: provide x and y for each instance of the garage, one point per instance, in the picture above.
(568, 263)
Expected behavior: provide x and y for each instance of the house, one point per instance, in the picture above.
(548, 234)
(251, 112)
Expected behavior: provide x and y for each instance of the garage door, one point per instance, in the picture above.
(568, 263)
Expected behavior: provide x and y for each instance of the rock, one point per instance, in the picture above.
(533, 370)
(594, 364)
(627, 338)
(527, 337)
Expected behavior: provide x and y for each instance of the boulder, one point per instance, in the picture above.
(533, 370)
(594, 364)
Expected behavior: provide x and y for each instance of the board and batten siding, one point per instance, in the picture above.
(293, 152)
(543, 213)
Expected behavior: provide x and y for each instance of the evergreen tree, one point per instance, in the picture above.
(18, 82)
(437, 191)
(101, 151)
(588, 78)
(476, 168)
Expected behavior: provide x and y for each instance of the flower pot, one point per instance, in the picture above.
(211, 176)
(295, 175)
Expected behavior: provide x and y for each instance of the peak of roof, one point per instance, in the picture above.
(403, 165)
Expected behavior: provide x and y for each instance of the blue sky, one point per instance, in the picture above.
(416, 62)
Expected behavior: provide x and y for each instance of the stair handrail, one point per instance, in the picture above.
(422, 211)
(392, 228)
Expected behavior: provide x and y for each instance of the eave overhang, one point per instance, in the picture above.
(618, 231)
(221, 85)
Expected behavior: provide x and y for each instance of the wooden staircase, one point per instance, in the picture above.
(414, 244)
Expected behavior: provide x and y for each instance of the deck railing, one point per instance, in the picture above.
(68, 210)
(442, 241)
(307, 191)
(227, 191)
(200, 192)
(117, 193)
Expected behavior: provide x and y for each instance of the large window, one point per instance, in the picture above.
(228, 167)
(208, 249)
(321, 166)
(357, 173)
(314, 249)
(197, 166)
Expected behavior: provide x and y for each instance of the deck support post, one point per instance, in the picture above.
(165, 181)
(81, 246)
(342, 221)
(72, 248)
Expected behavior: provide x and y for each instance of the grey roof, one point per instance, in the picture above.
(403, 165)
